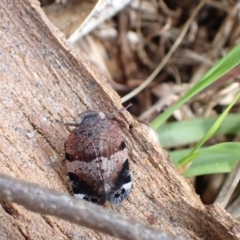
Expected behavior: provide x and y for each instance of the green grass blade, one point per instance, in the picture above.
(220, 158)
(175, 134)
(230, 148)
(211, 164)
(209, 134)
(217, 124)
(223, 66)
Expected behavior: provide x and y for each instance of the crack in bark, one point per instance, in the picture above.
(10, 209)
(13, 212)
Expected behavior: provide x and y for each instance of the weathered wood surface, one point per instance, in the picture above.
(45, 82)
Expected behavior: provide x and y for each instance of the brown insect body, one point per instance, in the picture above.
(97, 159)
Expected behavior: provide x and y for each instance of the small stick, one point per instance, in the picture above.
(50, 202)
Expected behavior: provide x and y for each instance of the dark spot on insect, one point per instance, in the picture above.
(72, 176)
(127, 179)
(122, 145)
(94, 200)
(69, 157)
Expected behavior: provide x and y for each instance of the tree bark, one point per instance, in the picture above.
(44, 83)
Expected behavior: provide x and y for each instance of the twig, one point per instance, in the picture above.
(168, 55)
(229, 186)
(46, 201)
(234, 208)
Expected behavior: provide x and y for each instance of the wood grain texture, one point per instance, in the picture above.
(45, 82)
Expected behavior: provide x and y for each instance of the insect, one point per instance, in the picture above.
(97, 159)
